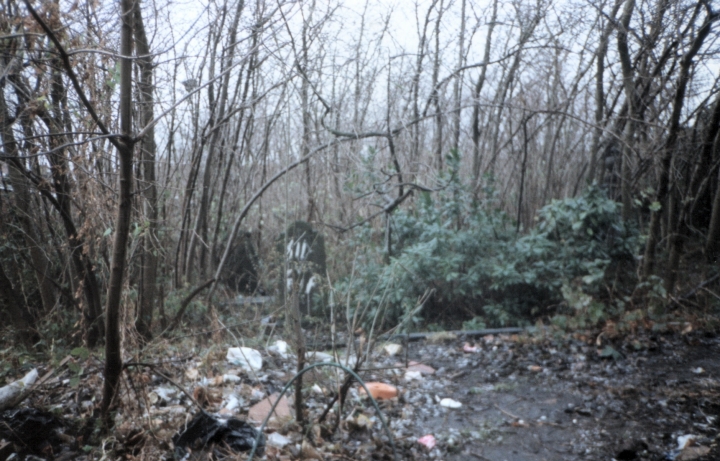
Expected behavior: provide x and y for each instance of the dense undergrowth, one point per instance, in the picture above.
(578, 261)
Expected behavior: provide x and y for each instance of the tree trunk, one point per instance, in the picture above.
(712, 244)
(629, 87)
(92, 316)
(149, 248)
(24, 207)
(457, 89)
(476, 100)
(668, 151)
(113, 353)
(19, 318)
(436, 94)
(600, 93)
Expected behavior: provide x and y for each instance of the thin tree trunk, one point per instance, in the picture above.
(148, 281)
(629, 87)
(125, 145)
(415, 139)
(436, 93)
(476, 100)
(600, 92)
(457, 89)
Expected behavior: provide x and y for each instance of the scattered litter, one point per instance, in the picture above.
(14, 392)
(428, 441)
(535, 368)
(31, 428)
(232, 403)
(277, 440)
(411, 375)
(260, 410)
(317, 356)
(470, 349)
(256, 394)
(698, 370)
(381, 391)
(421, 367)
(246, 358)
(280, 348)
(450, 403)
(162, 394)
(686, 440)
(204, 430)
(230, 378)
(392, 349)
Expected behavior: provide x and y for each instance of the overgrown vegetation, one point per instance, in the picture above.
(485, 273)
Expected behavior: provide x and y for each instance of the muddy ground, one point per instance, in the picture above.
(521, 398)
(527, 399)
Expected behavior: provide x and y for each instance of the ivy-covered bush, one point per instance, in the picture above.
(478, 269)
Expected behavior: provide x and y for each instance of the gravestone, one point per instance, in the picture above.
(240, 272)
(303, 251)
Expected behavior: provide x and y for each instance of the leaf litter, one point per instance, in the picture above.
(502, 397)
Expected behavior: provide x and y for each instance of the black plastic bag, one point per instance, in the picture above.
(204, 430)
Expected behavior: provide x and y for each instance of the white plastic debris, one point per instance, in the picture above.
(392, 349)
(277, 440)
(412, 375)
(450, 403)
(685, 440)
(11, 394)
(317, 356)
(246, 358)
(164, 394)
(228, 378)
(698, 370)
(280, 348)
(233, 403)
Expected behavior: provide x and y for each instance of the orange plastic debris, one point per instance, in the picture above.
(381, 391)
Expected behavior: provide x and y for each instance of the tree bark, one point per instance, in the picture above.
(668, 151)
(629, 87)
(476, 100)
(149, 249)
(19, 318)
(600, 92)
(24, 207)
(125, 145)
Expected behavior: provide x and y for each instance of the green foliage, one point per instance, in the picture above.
(480, 270)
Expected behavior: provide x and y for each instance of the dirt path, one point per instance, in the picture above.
(528, 400)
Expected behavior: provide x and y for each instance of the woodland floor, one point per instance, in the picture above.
(523, 398)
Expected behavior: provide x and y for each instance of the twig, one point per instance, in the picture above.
(507, 412)
(182, 389)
